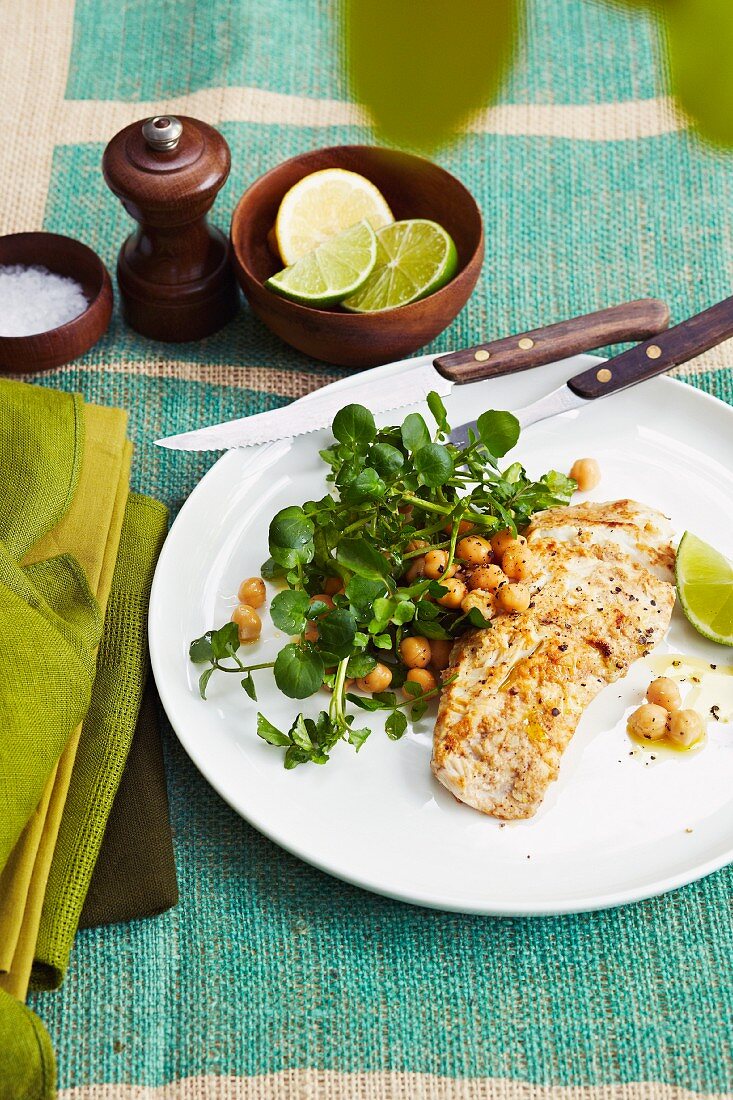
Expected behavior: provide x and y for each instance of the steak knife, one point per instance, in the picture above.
(667, 349)
(629, 321)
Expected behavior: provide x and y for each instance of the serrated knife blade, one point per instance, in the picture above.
(627, 321)
(303, 416)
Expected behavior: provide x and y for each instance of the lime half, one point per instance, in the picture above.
(705, 588)
(414, 258)
(335, 269)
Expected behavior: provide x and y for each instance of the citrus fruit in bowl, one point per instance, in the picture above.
(391, 321)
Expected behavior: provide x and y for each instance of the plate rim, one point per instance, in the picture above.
(468, 906)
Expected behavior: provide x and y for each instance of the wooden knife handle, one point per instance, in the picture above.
(628, 321)
(679, 344)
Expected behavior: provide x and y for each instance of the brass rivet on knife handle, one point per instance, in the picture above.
(683, 342)
(637, 320)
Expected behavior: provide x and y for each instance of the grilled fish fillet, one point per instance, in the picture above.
(602, 597)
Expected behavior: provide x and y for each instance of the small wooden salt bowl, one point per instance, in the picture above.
(63, 256)
(414, 188)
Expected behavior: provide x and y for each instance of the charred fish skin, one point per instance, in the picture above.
(603, 598)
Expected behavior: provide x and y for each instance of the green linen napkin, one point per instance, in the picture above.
(135, 874)
(49, 621)
(105, 740)
(87, 535)
(27, 1064)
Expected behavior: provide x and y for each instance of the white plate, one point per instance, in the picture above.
(615, 828)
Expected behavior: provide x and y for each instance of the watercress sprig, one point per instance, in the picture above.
(395, 493)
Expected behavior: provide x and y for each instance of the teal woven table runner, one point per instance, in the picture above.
(270, 979)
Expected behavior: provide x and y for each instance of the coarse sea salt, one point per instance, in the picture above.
(34, 299)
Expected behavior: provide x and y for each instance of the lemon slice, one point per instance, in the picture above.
(414, 258)
(705, 588)
(328, 274)
(322, 205)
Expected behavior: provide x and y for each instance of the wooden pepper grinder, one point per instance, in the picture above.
(174, 275)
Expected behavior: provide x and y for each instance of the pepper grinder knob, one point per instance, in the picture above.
(162, 133)
(176, 282)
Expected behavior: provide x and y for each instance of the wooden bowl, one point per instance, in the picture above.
(414, 188)
(63, 256)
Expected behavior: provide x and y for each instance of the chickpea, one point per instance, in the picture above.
(474, 549)
(416, 571)
(323, 597)
(248, 622)
(436, 563)
(440, 649)
(415, 651)
(482, 601)
(456, 591)
(252, 592)
(685, 727)
(378, 679)
(664, 693)
(513, 597)
(424, 678)
(487, 577)
(503, 539)
(586, 472)
(649, 722)
(417, 544)
(333, 586)
(463, 527)
(518, 562)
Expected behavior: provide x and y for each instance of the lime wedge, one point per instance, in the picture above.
(331, 272)
(705, 588)
(414, 258)
(321, 206)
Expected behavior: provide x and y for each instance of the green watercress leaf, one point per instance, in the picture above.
(316, 608)
(498, 431)
(288, 611)
(271, 570)
(298, 671)
(360, 664)
(354, 426)
(434, 464)
(403, 613)
(386, 460)
(367, 485)
(225, 641)
(337, 630)
(201, 649)
(396, 725)
(204, 680)
(362, 558)
(361, 592)
(414, 432)
(270, 733)
(299, 734)
(357, 737)
(249, 686)
(291, 537)
(437, 408)
(364, 702)
(433, 630)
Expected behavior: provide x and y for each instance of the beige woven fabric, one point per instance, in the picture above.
(328, 1085)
